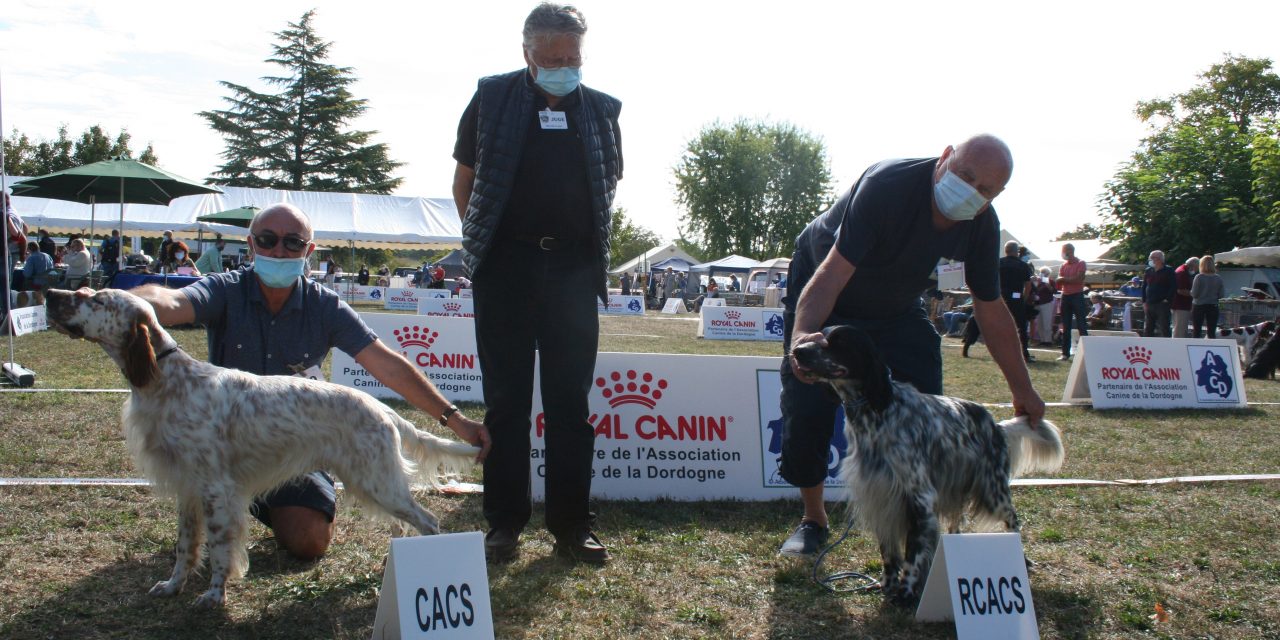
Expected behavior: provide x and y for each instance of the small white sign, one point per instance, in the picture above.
(435, 587)
(1156, 373)
(443, 348)
(741, 323)
(447, 307)
(713, 302)
(980, 581)
(28, 320)
(674, 305)
(358, 292)
(407, 299)
(622, 305)
(951, 276)
(464, 293)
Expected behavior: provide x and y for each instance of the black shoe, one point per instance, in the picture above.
(807, 541)
(501, 545)
(964, 352)
(582, 546)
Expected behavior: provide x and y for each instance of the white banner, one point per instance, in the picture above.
(444, 348)
(28, 320)
(435, 587)
(1156, 373)
(447, 307)
(464, 293)
(358, 292)
(741, 323)
(407, 299)
(663, 431)
(980, 581)
(622, 305)
(951, 276)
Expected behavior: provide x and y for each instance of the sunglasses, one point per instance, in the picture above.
(268, 241)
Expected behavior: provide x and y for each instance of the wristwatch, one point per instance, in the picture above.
(444, 417)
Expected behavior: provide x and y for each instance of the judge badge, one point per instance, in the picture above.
(552, 119)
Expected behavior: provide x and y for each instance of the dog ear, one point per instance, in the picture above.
(139, 358)
(876, 387)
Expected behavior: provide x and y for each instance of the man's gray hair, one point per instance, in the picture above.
(1011, 248)
(549, 19)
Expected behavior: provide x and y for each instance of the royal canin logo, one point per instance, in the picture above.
(452, 307)
(631, 388)
(1137, 355)
(407, 293)
(416, 336)
(733, 315)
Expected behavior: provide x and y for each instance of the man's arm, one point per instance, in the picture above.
(816, 302)
(464, 178)
(171, 305)
(391, 369)
(1005, 347)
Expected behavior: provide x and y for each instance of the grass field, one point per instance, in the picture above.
(77, 562)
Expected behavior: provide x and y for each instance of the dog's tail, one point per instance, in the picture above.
(435, 457)
(1032, 449)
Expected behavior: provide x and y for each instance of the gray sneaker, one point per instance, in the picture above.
(806, 542)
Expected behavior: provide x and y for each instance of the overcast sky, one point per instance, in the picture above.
(874, 80)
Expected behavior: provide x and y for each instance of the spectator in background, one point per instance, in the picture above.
(1015, 288)
(1184, 275)
(1043, 290)
(330, 271)
(1158, 287)
(47, 245)
(625, 283)
(1071, 284)
(669, 282)
(109, 255)
(1099, 312)
(437, 277)
(1206, 289)
(713, 291)
(17, 230)
(35, 274)
(79, 264)
(362, 277)
(211, 261)
(180, 261)
(734, 286)
(165, 254)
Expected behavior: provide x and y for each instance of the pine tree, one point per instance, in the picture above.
(298, 138)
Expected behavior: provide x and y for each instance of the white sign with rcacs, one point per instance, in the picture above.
(980, 581)
(435, 587)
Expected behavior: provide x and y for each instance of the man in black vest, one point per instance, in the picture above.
(539, 157)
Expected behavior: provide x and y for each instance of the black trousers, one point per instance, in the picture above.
(1202, 315)
(528, 300)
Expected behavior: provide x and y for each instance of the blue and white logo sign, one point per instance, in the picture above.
(773, 324)
(1214, 377)
(634, 306)
(376, 294)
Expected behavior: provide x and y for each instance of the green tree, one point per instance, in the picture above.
(25, 157)
(1199, 182)
(1086, 231)
(750, 188)
(299, 138)
(628, 239)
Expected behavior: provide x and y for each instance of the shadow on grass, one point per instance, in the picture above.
(113, 602)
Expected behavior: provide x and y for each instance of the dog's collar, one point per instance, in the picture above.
(160, 356)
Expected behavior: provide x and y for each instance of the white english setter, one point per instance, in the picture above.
(214, 438)
(917, 460)
(1249, 338)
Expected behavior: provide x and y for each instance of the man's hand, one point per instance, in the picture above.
(1031, 406)
(473, 432)
(802, 374)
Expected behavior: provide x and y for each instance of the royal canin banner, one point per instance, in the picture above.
(741, 323)
(660, 434)
(1156, 373)
(404, 299)
(447, 307)
(622, 305)
(358, 293)
(443, 348)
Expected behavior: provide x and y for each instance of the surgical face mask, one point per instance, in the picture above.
(279, 273)
(559, 82)
(180, 255)
(1151, 263)
(1026, 258)
(957, 199)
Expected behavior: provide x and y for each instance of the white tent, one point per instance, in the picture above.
(1250, 257)
(362, 220)
(653, 256)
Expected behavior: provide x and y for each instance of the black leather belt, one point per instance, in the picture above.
(546, 243)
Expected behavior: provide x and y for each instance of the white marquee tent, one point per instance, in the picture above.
(362, 220)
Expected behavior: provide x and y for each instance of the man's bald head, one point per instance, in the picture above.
(280, 226)
(281, 213)
(987, 160)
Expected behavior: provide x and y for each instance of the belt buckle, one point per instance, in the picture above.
(542, 243)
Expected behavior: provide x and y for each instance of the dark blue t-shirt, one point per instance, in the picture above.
(884, 227)
(244, 335)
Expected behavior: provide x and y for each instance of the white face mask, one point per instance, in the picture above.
(180, 255)
(957, 199)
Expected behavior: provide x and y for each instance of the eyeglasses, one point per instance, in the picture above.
(556, 63)
(268, 241)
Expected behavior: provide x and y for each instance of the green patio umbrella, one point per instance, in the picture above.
(239, 216)
(119, 180)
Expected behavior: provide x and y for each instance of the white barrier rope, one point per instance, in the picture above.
(452, 486)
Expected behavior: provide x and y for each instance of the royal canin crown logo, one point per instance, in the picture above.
(631, 388)
(452, 307)
(407, 293)
(1137, 355)
(733, 315)
(416, 336)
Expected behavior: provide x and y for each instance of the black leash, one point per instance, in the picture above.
(830, 582)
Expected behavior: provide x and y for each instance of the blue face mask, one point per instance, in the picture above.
(957, 199)
(279, 273)
(1151, 263)
(559, 82)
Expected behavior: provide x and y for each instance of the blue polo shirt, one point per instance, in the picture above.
(244, 335)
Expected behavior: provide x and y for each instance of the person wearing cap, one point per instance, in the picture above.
(1132, 288)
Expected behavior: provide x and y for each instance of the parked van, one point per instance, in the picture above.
(1243, 281)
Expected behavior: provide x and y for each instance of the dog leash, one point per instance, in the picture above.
(829, 582)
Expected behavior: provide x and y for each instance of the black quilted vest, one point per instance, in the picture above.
(505, 111)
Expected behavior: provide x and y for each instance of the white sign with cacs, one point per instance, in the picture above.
(435, 587)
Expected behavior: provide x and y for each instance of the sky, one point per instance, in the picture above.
(1058, 82)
